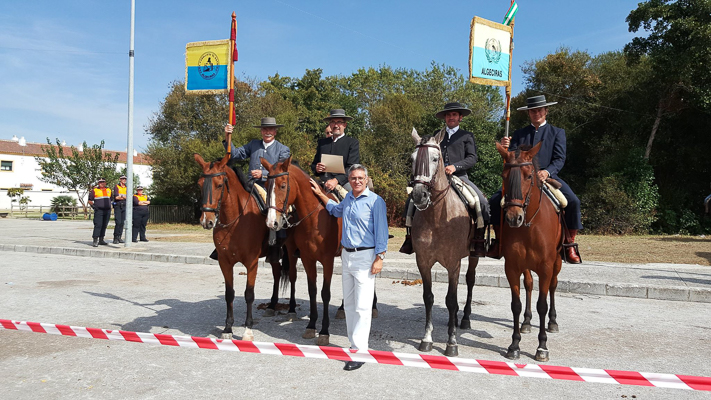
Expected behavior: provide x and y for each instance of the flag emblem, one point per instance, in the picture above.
(492, 50)
(209, 65)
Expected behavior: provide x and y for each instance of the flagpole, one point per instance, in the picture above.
(129, 147)
(508, 88)
(231, 78)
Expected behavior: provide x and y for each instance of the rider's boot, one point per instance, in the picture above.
(572, 255)
(494, 251)
(477, 247)
(275, 252)
(407, 246)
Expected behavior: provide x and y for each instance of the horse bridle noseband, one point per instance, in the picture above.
(513, 200)
(428, 184)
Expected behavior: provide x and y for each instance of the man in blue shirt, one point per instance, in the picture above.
(365, 240)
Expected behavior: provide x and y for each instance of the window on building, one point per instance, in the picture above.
(5, 165)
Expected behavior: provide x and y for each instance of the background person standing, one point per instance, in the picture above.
(119, 201)
(140, 215)
(365, 240)
(100, 201)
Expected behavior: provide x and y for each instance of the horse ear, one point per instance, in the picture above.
(265, 163)
(224, 160)
(502, 150)
(535, 149)
(199, 159)
(416, 136)
(286, 164)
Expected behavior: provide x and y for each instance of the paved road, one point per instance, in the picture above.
(186, 299)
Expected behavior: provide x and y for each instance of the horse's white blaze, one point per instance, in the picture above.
(271, 214)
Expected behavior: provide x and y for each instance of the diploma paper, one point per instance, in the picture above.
(334, 164)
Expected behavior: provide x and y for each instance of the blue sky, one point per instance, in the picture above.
(64, 64)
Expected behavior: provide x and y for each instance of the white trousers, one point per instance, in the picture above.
(358, 292)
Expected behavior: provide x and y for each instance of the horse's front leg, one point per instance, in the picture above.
(453, 308)
(228, 275)
(471, 280)
(514, 278)
(323, 335)
(249, 299)
(542, 308)
(276, 275)
(310, 267)
(428, 298)
(527, 314)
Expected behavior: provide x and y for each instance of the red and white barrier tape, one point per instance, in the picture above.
(380, 357)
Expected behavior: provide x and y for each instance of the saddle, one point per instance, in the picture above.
(551, 188)
(258, 192)
(469, 197)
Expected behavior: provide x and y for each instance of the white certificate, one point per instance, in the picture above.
(334, 164)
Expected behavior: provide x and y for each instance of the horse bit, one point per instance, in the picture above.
(428, 184)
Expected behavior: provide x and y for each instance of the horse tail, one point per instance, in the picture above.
(284, 279)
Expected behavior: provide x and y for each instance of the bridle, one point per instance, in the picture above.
(513, 197)
(284, 209)
(207, 193)
(422, 165)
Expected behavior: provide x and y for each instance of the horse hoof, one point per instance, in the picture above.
(513, 354)
(291, 316)
(425, 346)
(248, 335)
(466, 324)
(375, 313)
(541, 355)
(269, 312)
(226, 335)
(552, 328)
(340, 314)
(322, 340)
(451, 351)
(309, 334)
(526, 328)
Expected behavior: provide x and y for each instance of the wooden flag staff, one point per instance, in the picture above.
(231, 79)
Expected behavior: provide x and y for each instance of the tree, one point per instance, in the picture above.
(16, 196)
(679, 49)
(78, 171)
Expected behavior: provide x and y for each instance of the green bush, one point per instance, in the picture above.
(59, 204)
(607, 208)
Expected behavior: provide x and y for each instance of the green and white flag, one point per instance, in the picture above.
(510, 14)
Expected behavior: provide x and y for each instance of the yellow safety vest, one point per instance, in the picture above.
(104, 193)
(141, 198)
(121, 190)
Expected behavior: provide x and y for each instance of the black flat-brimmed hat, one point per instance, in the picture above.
(337, 113)
(453, 107)
(268, 122)
(536, 102)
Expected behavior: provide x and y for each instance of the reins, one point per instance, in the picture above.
(514, 196)
(284, 209)
(207, 195)
(422, 168)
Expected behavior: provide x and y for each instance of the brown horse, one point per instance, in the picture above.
(239, 234)
(441, 232)
(313, 231)
(531, 241)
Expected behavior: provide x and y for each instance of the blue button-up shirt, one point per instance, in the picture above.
(365, 221)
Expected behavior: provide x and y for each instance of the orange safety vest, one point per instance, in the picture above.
(141, 198)
(104, 193)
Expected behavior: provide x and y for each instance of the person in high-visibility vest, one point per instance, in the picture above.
(100, 201)
(119, 202)
(140, 215)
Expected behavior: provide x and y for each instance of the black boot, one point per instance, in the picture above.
(119, 239)
(494, 251)
(96, 242)
(274, 254)
(407, 246)
(214, 255)
(116, 240)
(477, 248)
(101, 242)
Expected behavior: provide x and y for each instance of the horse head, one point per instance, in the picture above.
(279, 194)
(426, 165)
(519, 175)
(212, 182)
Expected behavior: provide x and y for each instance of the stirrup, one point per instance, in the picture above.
(566, 246)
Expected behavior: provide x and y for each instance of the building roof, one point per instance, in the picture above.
(35, 149)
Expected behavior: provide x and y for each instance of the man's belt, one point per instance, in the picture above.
(351, 250)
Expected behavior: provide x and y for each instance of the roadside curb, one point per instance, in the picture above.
(672, 293)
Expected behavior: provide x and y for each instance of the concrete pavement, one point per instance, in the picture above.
(677, 282)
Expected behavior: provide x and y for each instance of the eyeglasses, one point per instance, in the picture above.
(337, 122)
(357, 178)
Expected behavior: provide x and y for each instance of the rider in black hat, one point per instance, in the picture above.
(337, 144)
(459, 155)
(551, 158)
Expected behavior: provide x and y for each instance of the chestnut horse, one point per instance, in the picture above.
(239, 234)
(441, 230)
(532, 238)
(313, 231)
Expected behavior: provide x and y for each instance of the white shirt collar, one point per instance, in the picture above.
(335, 139)
(544, 122)
(266, 145)
(452, 131)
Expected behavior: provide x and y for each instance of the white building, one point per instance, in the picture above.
(19, 169)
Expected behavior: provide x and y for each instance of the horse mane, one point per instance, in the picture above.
(515, 179)
(422, 165)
